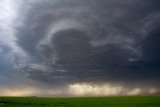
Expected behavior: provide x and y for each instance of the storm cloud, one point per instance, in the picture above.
(87, 44)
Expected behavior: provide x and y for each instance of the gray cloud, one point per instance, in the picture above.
(63, 42)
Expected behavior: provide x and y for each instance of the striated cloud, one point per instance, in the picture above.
(58, 43)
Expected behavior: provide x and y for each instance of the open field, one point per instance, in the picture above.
(134, 101)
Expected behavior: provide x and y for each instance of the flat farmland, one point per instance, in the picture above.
(125, 101)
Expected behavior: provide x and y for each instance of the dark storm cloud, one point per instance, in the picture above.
(86, 41)
(110, 43)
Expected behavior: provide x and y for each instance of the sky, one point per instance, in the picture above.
(65, 48)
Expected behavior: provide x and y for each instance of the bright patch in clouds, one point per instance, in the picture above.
(106, 90)
(16, 92)
(89, 89)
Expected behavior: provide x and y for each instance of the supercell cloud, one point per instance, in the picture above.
(79, 48)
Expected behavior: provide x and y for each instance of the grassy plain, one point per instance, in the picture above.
(125, 101)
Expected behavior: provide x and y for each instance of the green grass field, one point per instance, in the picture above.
(134, 101)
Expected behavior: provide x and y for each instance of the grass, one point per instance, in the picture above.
(126, 101)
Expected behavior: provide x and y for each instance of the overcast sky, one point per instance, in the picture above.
(79, 47)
